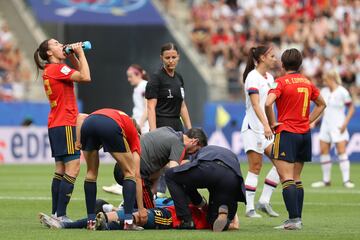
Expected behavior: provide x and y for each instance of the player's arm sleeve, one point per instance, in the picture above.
(252, 85)
(178, 152)
(152, 87)
(347, 97)
(61, 72)
(276, 88)
(314, 93)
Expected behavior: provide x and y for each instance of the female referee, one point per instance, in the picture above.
(165, 98)
(58, 79)
(334, 128)
(165, 93)
(258, 82)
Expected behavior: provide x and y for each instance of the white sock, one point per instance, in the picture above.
(326, 164)
(251, 182)
(271, 181)
(344, 164)
(128, 221)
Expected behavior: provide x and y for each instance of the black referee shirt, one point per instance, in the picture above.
(169, 92)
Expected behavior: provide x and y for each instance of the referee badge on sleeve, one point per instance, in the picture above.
(182, 92)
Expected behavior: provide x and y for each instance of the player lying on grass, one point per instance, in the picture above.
(109, 218)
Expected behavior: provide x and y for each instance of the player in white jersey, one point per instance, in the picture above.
(256, 132)
(333, 128)
(137, 78)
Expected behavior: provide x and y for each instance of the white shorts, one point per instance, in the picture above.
(332, 134)
(255, 141)
(145, 128)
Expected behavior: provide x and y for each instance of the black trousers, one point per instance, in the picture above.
(222, 183)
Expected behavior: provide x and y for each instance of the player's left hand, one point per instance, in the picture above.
(268, 132)
(78, 145)
(342, 129)
(143, 216)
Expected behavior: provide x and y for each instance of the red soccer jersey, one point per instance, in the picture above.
(198, 215)
(126, 124)
(294, 92)
(60, 91)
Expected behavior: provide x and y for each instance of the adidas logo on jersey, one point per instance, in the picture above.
(283, 154)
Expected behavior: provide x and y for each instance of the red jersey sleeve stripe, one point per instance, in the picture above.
(182, 155)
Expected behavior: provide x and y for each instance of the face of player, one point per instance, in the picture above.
(56, 50)
(133, 78)
(269, 59)
(170, 59)
(193, 146)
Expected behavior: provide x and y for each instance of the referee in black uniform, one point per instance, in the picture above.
(165, 93)
(165, 98)
(217, 169)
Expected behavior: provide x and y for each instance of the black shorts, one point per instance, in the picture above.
(62, 143)
(173, 122)
(99, 130)
(292, 147)
(158, 218)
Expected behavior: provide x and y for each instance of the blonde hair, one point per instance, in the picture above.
(334, 75)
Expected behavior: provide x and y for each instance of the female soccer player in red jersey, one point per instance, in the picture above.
(117, 134)
(137, 78)
(58, 79)
(292, 94)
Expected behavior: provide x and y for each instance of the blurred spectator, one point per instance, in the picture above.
(327, 31)
(14, 73)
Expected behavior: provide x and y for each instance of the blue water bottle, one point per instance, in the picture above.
(86, 45)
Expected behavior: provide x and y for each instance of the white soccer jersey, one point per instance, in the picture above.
(256, 83)
(336, 101)
(139, 100)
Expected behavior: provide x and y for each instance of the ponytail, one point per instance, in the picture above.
(250, 64)
(41, 52)
(254, 56)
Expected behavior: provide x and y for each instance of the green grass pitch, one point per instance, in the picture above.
(330, 213)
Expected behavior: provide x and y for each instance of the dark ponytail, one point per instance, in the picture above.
(254, 55)
(41, 52)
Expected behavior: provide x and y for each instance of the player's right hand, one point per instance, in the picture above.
(143, 216)
(268, 132)
(77, 48)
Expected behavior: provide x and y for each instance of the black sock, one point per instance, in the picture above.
(300, 197)
(129, 193)
(82, 223)
(55, 186)
(65, 191)
(90, 198)
(290, 198)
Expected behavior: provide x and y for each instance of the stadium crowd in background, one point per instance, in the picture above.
(14, 71)
(326, 31)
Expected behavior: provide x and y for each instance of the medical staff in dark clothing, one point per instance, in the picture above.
(217, 169)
